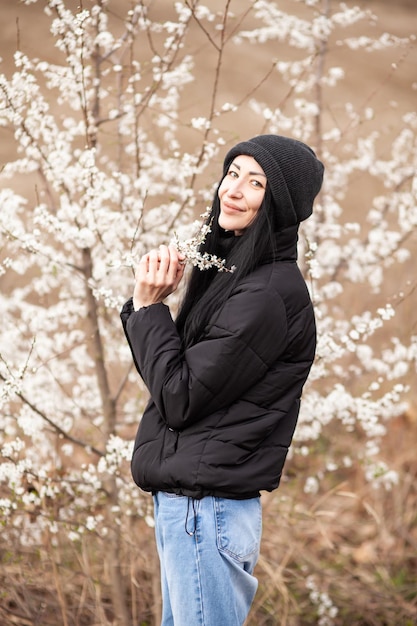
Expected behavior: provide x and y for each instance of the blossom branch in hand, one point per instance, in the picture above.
(190, 249)
(158, 275)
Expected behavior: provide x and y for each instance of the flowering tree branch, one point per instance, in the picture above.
(117, 140)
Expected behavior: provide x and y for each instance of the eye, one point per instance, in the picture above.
(233, 173)
(257, 183)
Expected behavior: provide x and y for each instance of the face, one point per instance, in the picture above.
(241, 193)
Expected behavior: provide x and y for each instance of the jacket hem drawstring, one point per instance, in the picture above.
(194, 527)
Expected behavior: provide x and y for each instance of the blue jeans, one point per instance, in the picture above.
(207, 549)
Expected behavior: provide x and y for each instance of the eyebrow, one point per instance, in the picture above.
(251, 173)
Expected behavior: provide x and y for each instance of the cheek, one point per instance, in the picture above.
(221, 190)
(256, 203)
(253, 205)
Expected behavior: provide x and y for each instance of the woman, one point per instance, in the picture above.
(225, 379)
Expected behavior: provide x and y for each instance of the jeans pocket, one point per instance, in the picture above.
(239, 527)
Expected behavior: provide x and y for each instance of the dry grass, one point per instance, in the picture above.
(357, 544)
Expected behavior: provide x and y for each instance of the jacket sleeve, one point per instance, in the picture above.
(247, 336)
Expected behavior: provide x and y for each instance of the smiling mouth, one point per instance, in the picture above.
(232, 207)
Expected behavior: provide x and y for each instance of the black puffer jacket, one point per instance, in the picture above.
(221, 417)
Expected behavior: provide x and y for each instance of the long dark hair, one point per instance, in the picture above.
(208, 290)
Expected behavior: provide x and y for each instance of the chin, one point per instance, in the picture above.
(223, 224)
(227, 223)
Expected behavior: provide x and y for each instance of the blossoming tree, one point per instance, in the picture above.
(118, 142)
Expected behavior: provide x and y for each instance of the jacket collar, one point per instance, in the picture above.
(284, 247)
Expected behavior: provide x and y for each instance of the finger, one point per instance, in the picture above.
(177, 267)
(177, 257)
(180, 273)
(142, 267)
(153, 256)
(164, 259)
(175, 254)
(174, 264)
(153, 264)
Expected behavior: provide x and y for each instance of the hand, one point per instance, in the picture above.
(158, 274)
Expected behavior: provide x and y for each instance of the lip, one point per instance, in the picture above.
(232, 207)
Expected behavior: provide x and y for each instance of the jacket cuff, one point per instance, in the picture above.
(127, 309)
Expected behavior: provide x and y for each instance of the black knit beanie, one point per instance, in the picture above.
(293, 171)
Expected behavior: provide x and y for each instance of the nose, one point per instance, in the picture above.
(235, 188)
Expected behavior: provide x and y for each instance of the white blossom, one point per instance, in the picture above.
(116, 149)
